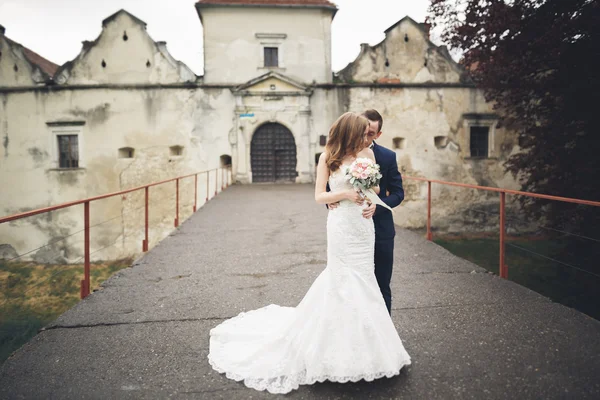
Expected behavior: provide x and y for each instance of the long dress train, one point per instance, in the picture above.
(341, 330)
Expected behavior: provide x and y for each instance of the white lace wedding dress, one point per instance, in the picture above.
(341, 330)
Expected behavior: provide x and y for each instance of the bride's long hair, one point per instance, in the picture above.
(346, 138)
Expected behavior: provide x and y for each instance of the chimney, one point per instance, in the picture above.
(2, 30)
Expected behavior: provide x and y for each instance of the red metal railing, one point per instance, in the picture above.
(503, 268)
(85, 282)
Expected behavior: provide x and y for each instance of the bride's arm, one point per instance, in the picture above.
(322, 196)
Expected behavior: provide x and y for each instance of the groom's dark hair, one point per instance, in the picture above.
(373, 115)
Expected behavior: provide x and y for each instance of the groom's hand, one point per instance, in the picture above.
(369, 211)
(333, 206)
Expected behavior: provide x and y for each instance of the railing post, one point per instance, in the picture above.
(429, 234)
(503, 270)
(207, 184)
(176, 202)
(85, 283)
(216, 181)
(145, 241)
(195, 191)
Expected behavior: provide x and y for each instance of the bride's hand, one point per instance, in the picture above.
(354, 197)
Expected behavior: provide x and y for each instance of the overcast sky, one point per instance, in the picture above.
(55, 29)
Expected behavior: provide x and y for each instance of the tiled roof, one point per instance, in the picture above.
(48, 67)
(313, 3)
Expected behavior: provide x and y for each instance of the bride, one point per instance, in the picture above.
(341, 330)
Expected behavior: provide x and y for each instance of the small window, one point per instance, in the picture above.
(322, 140)
(399, 143)
(225, 161)
(271, 56)
(68, 151)
(479, 141)
(176, 150)
(440, 141)
(126, 152)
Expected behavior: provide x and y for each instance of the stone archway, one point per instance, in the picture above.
(273, 154)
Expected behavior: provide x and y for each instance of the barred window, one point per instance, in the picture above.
(68, 151)
(479, 141)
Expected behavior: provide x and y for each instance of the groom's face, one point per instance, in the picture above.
(373, 132)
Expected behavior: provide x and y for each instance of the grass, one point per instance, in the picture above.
(33, 295)
(532, 265)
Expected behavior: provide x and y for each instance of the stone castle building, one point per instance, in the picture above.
(124, 113)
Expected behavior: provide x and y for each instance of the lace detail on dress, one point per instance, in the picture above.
(279, 372)
(341, 330)
(339, 181)
(285, 384)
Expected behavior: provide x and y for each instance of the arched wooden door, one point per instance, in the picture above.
(273, 154)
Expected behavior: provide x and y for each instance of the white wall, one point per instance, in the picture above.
(112, 59)
(234, 55)
(151, 108)
(150, 121)
(15, 69)
(410, 57)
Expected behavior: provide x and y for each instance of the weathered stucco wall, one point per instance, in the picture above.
(15, 69)
(124, 53)
(149, 122)
(234, 38)
(326, 106)
(206, 122)
(405, 55)
(420, 116)
(144, 117)
(429, 104)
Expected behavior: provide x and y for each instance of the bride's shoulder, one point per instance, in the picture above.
(323, 160)
(323, 157)
(366, 153)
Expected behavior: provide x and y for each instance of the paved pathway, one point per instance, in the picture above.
(471, 334)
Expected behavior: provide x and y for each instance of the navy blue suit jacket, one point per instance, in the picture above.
(391, 182)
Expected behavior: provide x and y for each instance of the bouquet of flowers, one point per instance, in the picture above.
(363, 174)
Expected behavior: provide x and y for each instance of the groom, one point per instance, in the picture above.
(392, 194)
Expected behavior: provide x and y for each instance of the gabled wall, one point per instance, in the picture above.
(406, 55)
(15, 69)
(124, 53)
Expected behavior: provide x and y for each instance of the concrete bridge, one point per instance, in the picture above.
(471, 335)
